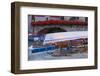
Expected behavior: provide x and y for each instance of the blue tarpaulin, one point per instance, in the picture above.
(48, 48)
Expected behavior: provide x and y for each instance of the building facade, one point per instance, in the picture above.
(43, 29)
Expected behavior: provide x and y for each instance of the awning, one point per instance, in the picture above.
(63, 36)
(59, 22)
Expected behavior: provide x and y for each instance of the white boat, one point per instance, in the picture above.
(63, 36)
